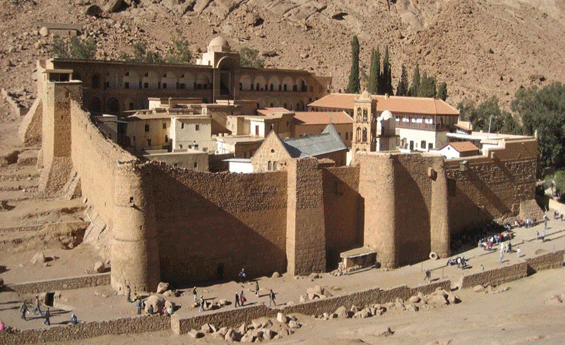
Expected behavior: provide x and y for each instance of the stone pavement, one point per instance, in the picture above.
(102, 303)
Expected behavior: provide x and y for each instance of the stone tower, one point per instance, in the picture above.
(386, 132)
(364, 124)
(58, 89)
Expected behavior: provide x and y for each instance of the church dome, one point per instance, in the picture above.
(219, 44)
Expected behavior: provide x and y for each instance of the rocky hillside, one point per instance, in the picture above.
(479, 47)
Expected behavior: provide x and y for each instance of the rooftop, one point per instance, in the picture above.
(463, 146)
(316, 118)
(394, 104)
(315, 145)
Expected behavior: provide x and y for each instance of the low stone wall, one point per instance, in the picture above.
(545, 261)
(61, 284)
(17, 111)
(235, 317)
(131, 325)
(496, 276)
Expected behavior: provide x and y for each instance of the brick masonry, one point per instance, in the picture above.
(61, 284)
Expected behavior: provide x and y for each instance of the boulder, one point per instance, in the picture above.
(314, 276)
(341, 313)
(231, 335)
(268, 334)
(354, 309)
(169, 293)
(113, 5)
(304, 298)
(38, 258)
(412, 307)
(479, 288)
(223, 302)
(44, 31)
(247, 338)
(94, 11)
(293, 324)
(206, 328)
(415, 299)
(223, 331)
(99, 267)
(156, 301)
(195, 334)
(276, 275)
(281, 318)
(438, 300)
(169, 304)
(242, 329)
(162, 287)
(452, 299)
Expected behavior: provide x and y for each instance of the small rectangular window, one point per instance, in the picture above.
(195, 164)
(180, 146)
(149, 142)
(126, 85)
(423, 144)
(146, 85)
(430, 146)
(197, 127)
(164, 85)
(182, 125)
(164, 125)
(147, 128)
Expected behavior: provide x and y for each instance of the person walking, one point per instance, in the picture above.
(257, 288)
(195, 293)
(139, 305)
(201, 302)
(237, 304)
(36, 307)
(518, 252)
(272, 298)
(47, 318)
(74, 319)
(501, 257)
(428, 275)
(543, 236)
(23, 310)
(242, 298)
(128, 294)
(545, 218)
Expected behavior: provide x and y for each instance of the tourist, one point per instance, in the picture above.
(501, 257)
(36, 308)
(545, 219)
(502, 247)
(242, 298)
(194, 293)
(2, 326)
(272, 298)
(257, 288)
(23, 310)
(47, 318)
(74, 319)
(509, 247)
(542, 236)
(237, 299)
(201, 302)
(150, 310)
(518, 252)
(139, 305)
(242, 275)
(128, 294)
(428, 275)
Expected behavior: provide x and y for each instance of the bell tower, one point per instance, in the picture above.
(364, 124)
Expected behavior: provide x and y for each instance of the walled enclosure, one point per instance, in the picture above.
(180, 226)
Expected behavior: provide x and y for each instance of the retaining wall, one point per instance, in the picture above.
(545, 261)
(87, 330)
(496, 276)
(61, 284)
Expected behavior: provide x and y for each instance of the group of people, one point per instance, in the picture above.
(460, 261)
(37, 311)
(557, 215)
(487, 242)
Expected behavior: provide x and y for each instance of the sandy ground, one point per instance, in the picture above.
(505, 318)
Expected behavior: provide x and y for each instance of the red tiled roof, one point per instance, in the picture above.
(394, 104)
(313, 117)
(463, 146)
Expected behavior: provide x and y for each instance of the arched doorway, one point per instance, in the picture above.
(113, 106)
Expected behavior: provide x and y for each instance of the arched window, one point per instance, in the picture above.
(95, 84)
(272, 87)
(364, 115)
(297, 106)
(358, 134)
(275, 165)
(364, 134)
(284, 87)
(258, 87)
(269, 166)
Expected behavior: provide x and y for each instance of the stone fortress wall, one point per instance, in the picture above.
(181, 226)
(491, 186)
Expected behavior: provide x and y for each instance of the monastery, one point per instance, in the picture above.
(183, 224)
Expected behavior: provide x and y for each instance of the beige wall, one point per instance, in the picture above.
(139, 136)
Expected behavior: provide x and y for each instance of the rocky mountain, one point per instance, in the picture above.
(479, 47)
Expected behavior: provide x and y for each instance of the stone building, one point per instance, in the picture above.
(274, 152)
(115, 86)
(422, 124)
(168, 223)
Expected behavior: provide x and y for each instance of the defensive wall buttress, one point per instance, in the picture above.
(178, 225)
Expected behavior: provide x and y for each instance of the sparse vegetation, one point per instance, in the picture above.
(250, 58)
(181, 52)
(74, 48)
(354, 84)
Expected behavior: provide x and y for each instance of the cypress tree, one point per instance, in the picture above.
(354, 85)
(427, 86)
(415, 82)
(442, 91)
(387, 74)
(373, 83)
(402, 88)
